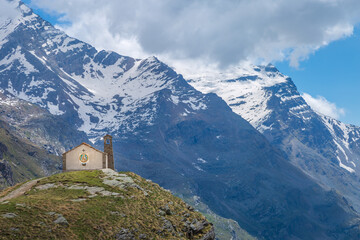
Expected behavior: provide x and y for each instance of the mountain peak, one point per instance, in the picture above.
(152, 59)
(15, 9)
(271, 68)
(25, 10)
(16, 13)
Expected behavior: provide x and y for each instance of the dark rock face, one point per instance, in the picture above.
(165, 130)
(3, 149)
(6, 175)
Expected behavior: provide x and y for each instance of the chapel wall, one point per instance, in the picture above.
(96, 159)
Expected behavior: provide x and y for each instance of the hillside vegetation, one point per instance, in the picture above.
(101, 204)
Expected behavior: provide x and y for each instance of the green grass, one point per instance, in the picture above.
(92, 178)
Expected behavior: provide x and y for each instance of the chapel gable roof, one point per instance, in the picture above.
(88, 145)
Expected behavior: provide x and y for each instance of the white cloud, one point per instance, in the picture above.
(7, 11)
(323, 106)
(223, 33)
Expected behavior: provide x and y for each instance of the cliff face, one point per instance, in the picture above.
(6, 175)
(98, 205)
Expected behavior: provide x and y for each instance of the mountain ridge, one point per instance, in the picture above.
(324, 148)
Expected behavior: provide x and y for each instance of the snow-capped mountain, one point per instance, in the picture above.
(97, 90)
(322, 147)
(165, 130)
(347, 139)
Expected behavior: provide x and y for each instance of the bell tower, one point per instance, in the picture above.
(108, 148)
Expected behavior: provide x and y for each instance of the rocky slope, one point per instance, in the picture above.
(165, 130)
(26, 131)
(347, 140)
(20, 160)
(322, 147)
(224, 228)
(98, 205)
(37, 125)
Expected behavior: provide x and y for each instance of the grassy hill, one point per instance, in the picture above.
(97, 205)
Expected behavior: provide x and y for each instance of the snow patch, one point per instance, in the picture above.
(201, 160)
(198, 168)
(18, 57)
(246, 96)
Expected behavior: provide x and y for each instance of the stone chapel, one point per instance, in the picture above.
(86, 157)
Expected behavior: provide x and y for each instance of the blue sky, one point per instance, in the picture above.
(334, 73)
(52, 18)
(331, 72)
